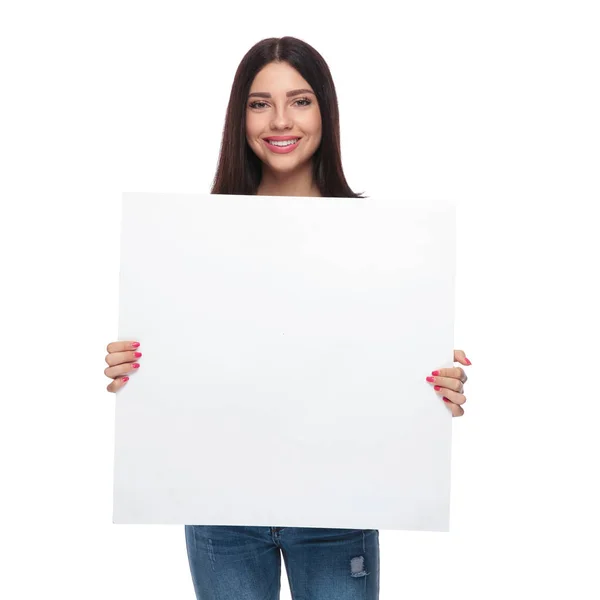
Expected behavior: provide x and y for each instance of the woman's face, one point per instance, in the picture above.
(281, 104)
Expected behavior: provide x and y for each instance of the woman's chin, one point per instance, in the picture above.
(284, 166)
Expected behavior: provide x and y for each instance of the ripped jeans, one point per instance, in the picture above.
(244, 563)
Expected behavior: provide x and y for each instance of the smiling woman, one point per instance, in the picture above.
(286, 124)
(282, 130)
(282, 138)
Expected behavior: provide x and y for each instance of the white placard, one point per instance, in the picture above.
(286, 342)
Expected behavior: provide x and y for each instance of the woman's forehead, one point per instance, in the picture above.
(278, 77)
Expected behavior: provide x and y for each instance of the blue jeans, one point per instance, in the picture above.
(244, 563)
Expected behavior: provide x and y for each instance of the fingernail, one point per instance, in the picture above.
(467, 360)
(446, 399)
(431, 379)
(437, 388)
(125, 379)
(137, 354)
(135, 345)
(435, 372)
(135, 366)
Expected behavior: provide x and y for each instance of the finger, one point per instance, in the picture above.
(447, 382)
(459, 356)
(122, 346)
(117, 358)
(117, 384)
(452, 396)
(456, 410)
(122, 369)
(454, 372)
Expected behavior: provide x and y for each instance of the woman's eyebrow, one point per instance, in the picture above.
(292, 93)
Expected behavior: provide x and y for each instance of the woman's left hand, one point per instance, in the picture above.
(449, 383)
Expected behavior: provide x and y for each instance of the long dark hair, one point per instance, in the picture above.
(239, 169)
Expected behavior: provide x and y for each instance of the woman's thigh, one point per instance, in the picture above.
(331, 564)
(228, 562)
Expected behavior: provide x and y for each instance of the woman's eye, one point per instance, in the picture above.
(258, 104)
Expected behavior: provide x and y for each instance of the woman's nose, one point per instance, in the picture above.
(281, 121)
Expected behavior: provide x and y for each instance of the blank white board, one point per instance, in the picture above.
(286, 342)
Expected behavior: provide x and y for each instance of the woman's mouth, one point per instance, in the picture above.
(282, 147)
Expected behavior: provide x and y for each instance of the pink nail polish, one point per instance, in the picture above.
(135, 366)
(435, 372)
(467, 361)
(431, 379)
(446, 399)
(437, 388)
(135, 345)
(137, 354)
(125, 379)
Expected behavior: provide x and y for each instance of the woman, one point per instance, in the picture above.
(282, 138)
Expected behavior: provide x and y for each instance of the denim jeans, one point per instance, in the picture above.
(244, 563)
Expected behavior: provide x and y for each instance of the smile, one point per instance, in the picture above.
(282, 147)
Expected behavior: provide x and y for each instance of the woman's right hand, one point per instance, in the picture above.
(120, 359)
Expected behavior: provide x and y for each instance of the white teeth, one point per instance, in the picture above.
(285, 143)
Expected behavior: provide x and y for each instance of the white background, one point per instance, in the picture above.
(491, 104)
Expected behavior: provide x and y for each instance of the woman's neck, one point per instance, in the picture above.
(288, 184)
